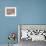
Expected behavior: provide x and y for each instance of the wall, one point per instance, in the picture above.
(28, 12)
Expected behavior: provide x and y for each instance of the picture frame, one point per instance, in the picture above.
(10, 11)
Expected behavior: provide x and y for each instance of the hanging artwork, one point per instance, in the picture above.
(10, 11)
(32, 32)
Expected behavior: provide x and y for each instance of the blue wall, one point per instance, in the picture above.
(28, 12)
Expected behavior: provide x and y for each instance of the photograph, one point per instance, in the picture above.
(10, 11)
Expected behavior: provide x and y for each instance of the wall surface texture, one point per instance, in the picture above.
(28, 12)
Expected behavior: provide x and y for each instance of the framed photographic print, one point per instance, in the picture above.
(10, 11)
(33, 32)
